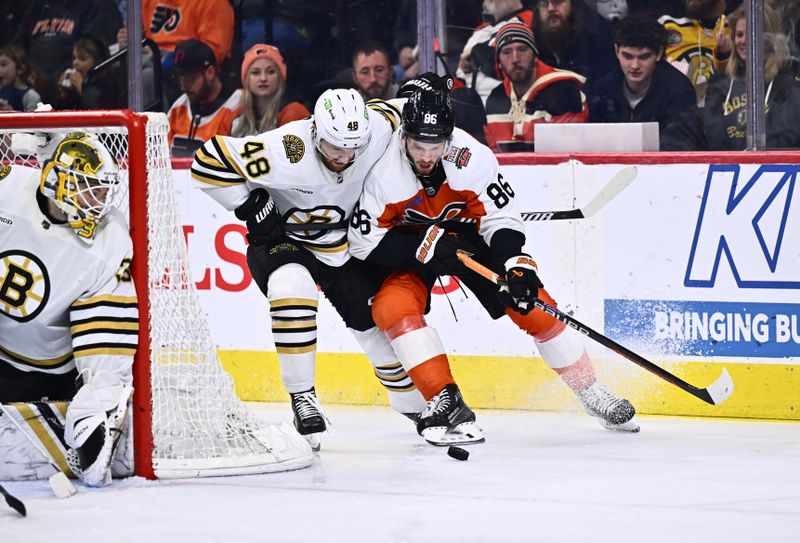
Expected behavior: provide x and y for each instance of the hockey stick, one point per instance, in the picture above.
(621, 179)
(716, 393)
(62, 487)
(13, 502)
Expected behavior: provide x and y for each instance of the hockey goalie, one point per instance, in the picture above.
(68, 311)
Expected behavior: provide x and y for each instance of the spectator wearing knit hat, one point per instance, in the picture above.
(532, 92)
(207, 107)
(265, 104)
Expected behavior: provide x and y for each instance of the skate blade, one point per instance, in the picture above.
(466, 433)
(314, 441)
(630, 426)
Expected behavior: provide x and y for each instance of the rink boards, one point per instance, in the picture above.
(695, 266)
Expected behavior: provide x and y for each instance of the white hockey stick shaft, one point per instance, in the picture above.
(61, 485)
(617, 184)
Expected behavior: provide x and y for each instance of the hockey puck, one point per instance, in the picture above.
(458, 453)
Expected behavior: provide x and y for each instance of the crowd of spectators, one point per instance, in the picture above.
(223, 70)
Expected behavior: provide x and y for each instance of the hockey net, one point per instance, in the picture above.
(188, 421)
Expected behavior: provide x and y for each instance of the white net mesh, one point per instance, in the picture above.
(199, 425)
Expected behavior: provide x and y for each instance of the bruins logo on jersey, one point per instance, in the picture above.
(4, 171)
(294, 147)
(24, 285)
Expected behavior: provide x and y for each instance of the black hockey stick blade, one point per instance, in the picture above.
(621, 179)
(716, 393)
(13, 502)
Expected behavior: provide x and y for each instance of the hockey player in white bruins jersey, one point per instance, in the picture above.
(435, 190)
(296, 187)
(68, 313)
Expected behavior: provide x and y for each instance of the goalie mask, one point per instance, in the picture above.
(341, 127)
(83, 180)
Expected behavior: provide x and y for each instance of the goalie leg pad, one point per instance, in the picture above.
(95, 421)
(293, 299)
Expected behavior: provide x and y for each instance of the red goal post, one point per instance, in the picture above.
(188, 421)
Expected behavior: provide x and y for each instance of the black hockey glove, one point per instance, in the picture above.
(428, 81)
(437, 251)
(264, 225)
(522, 284)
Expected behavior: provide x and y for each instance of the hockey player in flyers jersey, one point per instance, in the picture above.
(68, 313)
(296, 187)
(435, 190)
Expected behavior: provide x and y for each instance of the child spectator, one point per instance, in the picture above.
(49, 29)
(16, 81)
(77, 90)
(265, 104)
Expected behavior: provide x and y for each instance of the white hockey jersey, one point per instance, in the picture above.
(62, 302)
(286, 163)
(474, 191)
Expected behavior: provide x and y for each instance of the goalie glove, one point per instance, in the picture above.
(264, 225)
(437, 251)
(522, 284)
(428, 81)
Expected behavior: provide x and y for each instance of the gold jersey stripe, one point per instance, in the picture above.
(228, 156)
(305, 323)
(296, 350)
(105, 298)
(34, 362)
(35, 423)
(337, 249)
(116, 351)
(132, 326)
(391, 379)
(389, 367)
(207, 160)
(283, 302)
(209, 181)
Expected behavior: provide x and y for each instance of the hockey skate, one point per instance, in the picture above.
(449, 421)
(91, 462)
(612, 412)
(309, 418)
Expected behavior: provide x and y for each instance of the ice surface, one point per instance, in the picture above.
(540, 477)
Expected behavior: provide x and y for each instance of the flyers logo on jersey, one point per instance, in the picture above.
(294, 147)
(166, 18)
(459, 156)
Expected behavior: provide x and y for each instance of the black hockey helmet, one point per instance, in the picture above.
(428, 116)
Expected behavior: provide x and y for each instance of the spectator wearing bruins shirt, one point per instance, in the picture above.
(726, 103)
(691, 41)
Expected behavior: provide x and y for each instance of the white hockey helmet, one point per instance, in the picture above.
(83, 180)
(342, 119)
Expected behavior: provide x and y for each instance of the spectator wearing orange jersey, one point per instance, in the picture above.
(532, 92)
(206, 108)
(170, 22)
(265, 104)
